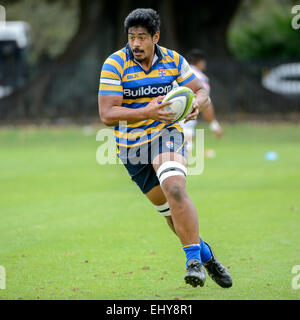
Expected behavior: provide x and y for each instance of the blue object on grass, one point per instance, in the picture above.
(271, 156)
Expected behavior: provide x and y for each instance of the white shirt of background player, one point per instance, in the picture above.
(189, 126)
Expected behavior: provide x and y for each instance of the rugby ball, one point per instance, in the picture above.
(182, 102)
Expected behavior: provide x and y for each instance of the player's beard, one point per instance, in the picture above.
(142, 59)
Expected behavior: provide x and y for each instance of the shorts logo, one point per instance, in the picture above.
(170, 144)
(162, 72)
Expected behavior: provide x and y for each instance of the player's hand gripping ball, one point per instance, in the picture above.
(182, 99)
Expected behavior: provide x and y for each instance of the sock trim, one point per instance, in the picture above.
(190, 245)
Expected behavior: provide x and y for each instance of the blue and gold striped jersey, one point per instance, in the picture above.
(122, 75)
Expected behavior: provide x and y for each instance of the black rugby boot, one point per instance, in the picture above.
(217, 271)
(195, 273)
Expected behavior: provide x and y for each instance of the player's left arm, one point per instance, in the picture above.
(210, 117)
(202, 100)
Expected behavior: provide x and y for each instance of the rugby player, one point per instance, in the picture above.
(133, 83)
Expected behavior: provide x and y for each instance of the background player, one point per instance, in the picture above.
(197, 61)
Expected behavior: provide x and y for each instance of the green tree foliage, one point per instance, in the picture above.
(262, 29)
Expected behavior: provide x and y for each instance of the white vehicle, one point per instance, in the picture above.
(14, 41)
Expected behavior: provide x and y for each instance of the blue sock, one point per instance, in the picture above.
(192, 251)
(204, 251)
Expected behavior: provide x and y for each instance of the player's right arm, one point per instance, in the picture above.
(111, 111)
(110, 98)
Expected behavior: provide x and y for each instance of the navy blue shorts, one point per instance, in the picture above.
(140, 168)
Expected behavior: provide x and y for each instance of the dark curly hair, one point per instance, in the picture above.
(195, 55)
(146, 18)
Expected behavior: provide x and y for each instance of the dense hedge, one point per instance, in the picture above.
(263, 30)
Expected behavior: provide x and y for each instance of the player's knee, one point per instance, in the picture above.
(174, 189)
(176, 193)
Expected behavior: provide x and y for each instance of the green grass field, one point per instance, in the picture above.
(72, 229)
